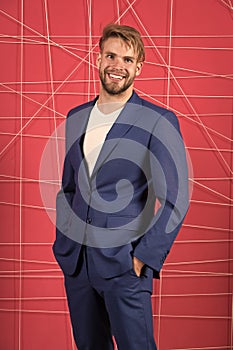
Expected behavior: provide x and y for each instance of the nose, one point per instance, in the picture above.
(118, 63)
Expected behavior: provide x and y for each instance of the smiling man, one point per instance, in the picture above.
(123, 155)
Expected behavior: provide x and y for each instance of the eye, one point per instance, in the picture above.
(128, 60)
(110, 56)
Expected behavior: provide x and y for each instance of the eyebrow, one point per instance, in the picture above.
(114, 54)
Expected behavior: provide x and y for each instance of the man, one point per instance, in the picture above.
(124, 155)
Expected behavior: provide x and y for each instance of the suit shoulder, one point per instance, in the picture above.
(153, 106)
(163, 112)
(80, 107)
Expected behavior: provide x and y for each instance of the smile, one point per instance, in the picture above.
(114, 76)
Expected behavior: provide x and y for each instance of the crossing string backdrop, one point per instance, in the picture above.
(48, 53)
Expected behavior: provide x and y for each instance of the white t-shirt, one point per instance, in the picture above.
(98, 126)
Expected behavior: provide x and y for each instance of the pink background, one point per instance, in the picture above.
(48, 52)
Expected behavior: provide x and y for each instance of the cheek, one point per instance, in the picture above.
(102, 66)
(133, 72)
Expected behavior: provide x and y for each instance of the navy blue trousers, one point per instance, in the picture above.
(101, 308)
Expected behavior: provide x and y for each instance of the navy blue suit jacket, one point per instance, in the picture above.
(113, 212)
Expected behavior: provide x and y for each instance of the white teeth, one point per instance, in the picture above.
(116, 76)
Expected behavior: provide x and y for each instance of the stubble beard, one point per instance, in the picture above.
(113, 88)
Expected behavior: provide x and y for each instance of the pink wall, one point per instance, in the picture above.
(48, 48)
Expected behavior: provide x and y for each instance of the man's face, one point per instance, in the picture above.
(118, 66)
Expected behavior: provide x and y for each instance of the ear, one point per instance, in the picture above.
(98, 60)
(139, 68)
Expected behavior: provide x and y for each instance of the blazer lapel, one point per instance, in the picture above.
(75, 133)
(126, 119)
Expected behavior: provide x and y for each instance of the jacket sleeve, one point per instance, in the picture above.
(66, 193)
(169, 175)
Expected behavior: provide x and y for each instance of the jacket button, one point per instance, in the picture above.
(88, 220)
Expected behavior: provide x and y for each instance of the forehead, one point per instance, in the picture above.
(119, 46)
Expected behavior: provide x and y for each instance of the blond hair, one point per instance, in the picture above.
(128, 34)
